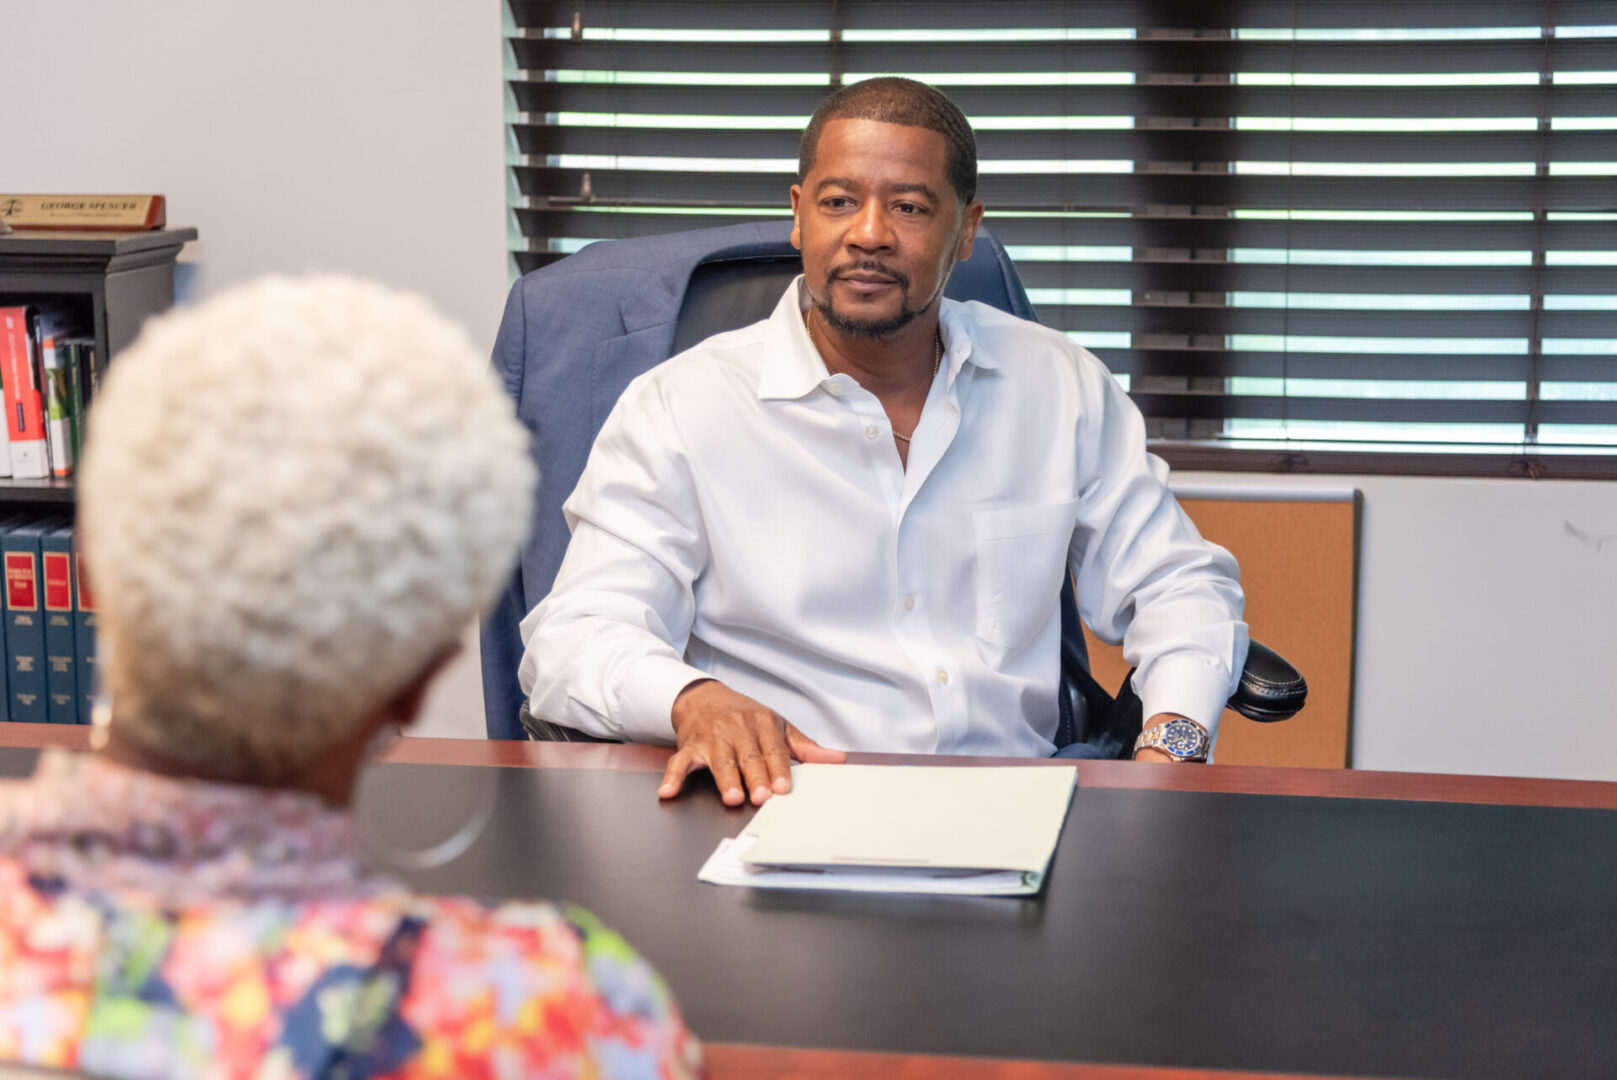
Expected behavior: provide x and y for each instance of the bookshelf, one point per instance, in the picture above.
(113, 280)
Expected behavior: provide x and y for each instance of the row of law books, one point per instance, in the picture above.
(47, 373)
(49, 625)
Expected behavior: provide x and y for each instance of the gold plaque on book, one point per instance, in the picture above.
(135, 213)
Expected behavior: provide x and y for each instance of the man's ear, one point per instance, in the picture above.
(797, 229)
(971, 219)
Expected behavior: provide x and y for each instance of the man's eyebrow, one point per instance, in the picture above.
(834, 181)
(918, 188)
(844, 182)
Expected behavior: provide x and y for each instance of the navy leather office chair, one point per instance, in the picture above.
(576, 332)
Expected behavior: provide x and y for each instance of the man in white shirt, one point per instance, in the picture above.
(846, 526)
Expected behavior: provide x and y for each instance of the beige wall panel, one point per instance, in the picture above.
(1298, 565)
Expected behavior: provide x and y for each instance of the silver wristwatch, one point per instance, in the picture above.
(1179, 738)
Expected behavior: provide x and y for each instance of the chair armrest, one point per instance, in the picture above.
(1270, 689)
(546, 731)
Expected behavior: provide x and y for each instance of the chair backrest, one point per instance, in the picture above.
(575, 333)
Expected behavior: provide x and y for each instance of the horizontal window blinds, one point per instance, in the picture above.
(1290, 229)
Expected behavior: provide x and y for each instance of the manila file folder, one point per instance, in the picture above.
(922, 820)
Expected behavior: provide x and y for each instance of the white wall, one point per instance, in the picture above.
(365, 135)
(1487, 624)
(356, 135)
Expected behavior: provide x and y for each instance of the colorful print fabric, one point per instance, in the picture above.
(159, 928)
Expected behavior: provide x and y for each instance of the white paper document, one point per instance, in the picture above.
(900, 828)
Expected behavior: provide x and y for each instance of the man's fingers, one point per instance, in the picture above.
(755, 770)
(722, 763)
(780, 768)
(777, 756)
(746, 745)
(807, 750)
(679, 767)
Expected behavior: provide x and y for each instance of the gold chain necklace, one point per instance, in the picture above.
(937, 360)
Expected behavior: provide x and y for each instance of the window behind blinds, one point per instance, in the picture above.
(1357, 235)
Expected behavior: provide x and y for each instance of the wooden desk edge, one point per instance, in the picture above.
(1237, 779)
(734, 1061)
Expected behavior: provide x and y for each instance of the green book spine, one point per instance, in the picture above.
(75, 396)
(58, 426)
(88, 377)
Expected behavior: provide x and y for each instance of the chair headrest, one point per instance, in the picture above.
(730, 294)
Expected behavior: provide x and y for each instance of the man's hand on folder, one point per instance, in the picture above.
(747, 746)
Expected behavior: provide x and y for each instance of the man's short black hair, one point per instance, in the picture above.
(899, 101)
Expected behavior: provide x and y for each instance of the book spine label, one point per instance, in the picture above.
(21, 594)
(25, 632)
(84, 638)
(58, 421)
(24, 419)
(61, 675)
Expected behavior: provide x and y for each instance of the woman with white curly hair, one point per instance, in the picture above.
(293, 498)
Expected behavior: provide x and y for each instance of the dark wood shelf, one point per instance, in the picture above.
(63, 242)
(54, 254)
(37, 491)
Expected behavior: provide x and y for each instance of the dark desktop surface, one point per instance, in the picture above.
(1262, 932)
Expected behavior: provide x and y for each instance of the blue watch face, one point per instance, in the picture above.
(1181, 738)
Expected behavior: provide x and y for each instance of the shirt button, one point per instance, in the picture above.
(909, 603)
(871, 431)
(943, 676)
(834, 389)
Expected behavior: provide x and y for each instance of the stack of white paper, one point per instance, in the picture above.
(899, 828)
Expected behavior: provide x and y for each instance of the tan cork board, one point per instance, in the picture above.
(1299, 564)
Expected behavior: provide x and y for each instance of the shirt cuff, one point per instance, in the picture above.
(1189, 687)
(646, 702)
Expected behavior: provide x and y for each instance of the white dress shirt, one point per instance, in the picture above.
(744, 516)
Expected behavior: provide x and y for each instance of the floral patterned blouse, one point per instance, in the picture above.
(153, 927)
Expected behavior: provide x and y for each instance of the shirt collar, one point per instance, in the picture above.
(797, 370)
(958, 344)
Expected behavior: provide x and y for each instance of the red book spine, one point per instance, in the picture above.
(84, 640)
(25, 421)
(13, 344)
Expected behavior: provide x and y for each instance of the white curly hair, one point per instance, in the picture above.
(293, 497)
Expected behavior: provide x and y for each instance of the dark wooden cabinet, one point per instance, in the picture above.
(112, 282)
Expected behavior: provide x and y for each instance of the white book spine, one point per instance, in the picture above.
(28, 460)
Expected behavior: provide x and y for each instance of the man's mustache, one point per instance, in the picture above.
(871, 266)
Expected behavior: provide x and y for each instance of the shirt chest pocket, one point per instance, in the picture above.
(1021, 555)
